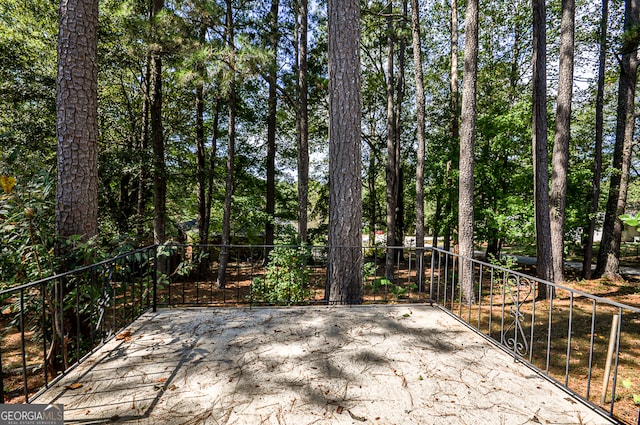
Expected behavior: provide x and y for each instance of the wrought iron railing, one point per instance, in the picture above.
(586, 343)
(279, 275)
(583, 342)
(50, 325)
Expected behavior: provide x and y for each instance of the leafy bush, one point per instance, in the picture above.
(286, 277)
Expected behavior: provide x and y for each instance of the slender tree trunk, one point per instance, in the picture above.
(201, 168)
(544, 267)
(400, 89)
(144, 154)
(453, 82)
(560, 159)
(303, 124)
(597, 155)
(212, 160)
(371, 187)
(437, 219)
(391, 175)
(157, 141)
(609, 254)
(228, 192)
(420, 124)
(467, 142)
(344, 277)
(447, 208)
(271, 128)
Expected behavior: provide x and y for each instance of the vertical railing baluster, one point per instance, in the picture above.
(23, 347)
(549, 330)
(569, 331)
(491, 288)
(533, 320)
(617, 362)
(43, 293)
(592, 334)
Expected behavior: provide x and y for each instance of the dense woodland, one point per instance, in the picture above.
(481, 124)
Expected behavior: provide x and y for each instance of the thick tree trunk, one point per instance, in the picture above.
(597, 150)
(609, 254)
(303, 124)
(77, 120)
(344, 276)
(560, 159)
(76, 208)
(544, 267)
(229, 183)
(467, 142)
(420, 135)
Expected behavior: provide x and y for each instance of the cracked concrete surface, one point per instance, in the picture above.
(391, 364)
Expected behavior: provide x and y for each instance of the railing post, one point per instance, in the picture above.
(155, 278)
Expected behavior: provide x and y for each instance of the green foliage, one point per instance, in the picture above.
(286, 277)
(628, 385)
(508, 262)
(631, 220)
(26, 222)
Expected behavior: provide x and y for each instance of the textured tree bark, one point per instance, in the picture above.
(597, 150)
(544, 267)
(76, 210)
(344, 276)
(420, 135)
(77, 120)
(467, 142)
(560, 158)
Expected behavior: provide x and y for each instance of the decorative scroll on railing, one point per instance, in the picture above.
(517, 292)
(563, 333)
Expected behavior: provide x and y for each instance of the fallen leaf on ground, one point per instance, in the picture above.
(74, 386)
(126, 336)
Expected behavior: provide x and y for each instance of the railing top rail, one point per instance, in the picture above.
(74, 271)
(545, 282)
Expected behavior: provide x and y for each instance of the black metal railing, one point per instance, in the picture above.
(50, 325)
(280, 275)
(583, 342)
(586, 343)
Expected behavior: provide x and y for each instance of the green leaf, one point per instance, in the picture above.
(626, 383)
(636, 398)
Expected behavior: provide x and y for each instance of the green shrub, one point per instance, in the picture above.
(286, 277)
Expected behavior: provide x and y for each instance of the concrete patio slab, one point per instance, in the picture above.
(391, 364)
